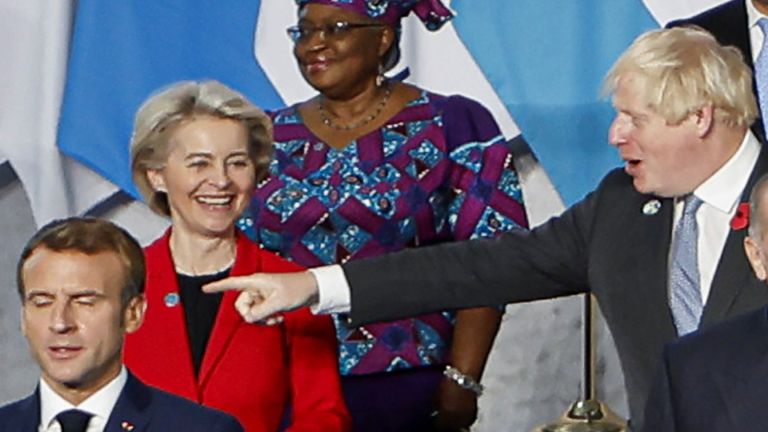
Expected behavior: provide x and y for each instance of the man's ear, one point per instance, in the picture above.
(752, 250)
(156, 179)
(133, 315)
(705, 119)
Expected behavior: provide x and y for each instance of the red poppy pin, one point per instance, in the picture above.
(741, 218)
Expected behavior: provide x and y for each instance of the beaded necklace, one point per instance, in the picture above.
(330, 123)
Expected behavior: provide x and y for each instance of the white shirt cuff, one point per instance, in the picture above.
(332, 289)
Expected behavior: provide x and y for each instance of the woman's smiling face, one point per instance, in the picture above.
(208, 175)
(339, 63)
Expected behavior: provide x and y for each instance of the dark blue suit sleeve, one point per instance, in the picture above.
(226, 423)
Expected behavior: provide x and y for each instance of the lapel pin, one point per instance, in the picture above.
(127, 426)
(651, 207)
(171, 299)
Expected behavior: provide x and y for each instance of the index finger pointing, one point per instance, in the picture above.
(233, 283)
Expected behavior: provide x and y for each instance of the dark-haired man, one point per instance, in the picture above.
(81, 285)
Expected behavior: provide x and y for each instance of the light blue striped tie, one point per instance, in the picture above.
(685, 293)
(761, 72)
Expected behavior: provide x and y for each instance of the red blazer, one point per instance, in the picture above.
(251, 371)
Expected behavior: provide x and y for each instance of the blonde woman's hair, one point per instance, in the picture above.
(683, 69)
(181, 101)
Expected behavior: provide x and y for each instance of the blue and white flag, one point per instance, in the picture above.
(540, 62)
(34, 41)
(123, 51)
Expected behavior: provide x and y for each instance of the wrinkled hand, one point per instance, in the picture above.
(264, 295)
(456, 408)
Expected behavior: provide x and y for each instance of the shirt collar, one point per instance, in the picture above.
(723, 189)
(100, 404)
(753, 15)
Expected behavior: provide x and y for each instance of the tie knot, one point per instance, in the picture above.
(73, 420)
(692, 204)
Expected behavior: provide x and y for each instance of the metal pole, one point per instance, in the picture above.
(588, 352)
(587, 414)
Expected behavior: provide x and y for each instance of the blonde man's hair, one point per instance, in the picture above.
(683, 69)
(182, 101)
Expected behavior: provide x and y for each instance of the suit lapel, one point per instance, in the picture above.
(175, 340)
(659, 257)
(131, 411)
(228, 320)
(29, 413)
(646, 260)
(732, 276)
(733, 273)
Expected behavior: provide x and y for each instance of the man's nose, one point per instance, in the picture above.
(618, 131)
(62, 317)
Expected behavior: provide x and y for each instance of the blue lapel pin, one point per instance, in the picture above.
(171, 299)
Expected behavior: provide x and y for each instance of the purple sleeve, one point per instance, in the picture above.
(487, 198)
(466, 120)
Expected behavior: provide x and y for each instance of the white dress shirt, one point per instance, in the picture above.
(333, 290)
(100, 404)
(721, 194)
(756, 35)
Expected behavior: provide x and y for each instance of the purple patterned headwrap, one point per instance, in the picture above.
(433, 13)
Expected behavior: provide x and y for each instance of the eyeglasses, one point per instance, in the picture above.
(336, 30)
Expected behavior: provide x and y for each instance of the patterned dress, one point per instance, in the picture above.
(437, 171)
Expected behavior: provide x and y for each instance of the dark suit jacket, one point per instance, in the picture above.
(728, 23)
(604, 244)
(715, 380)
(146, 408)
